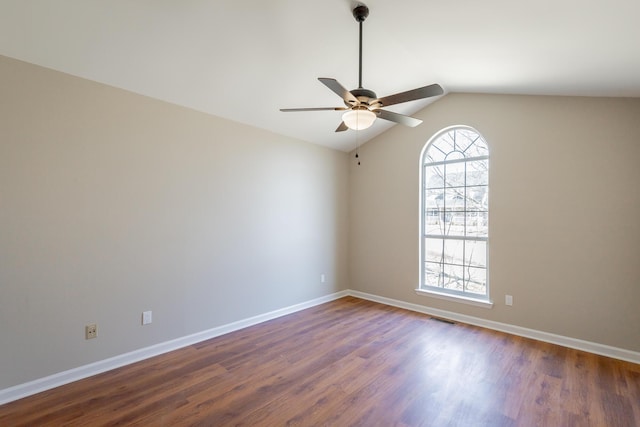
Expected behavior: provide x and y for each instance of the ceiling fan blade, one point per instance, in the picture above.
(398, 118)
(342, 127)
(339, 90)
(411, 95)
(289, 110)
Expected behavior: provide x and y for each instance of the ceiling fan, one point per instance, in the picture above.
(362, 105)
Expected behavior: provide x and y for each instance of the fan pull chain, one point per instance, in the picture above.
(357, 145)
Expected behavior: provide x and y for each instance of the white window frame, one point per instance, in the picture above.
(437, 291)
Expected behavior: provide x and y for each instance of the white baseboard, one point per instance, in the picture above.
(46, 383)
(591, 347)
(36, 386)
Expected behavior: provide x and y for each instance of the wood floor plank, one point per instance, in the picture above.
(350, 362)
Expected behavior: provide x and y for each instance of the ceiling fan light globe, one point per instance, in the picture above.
(358, 119)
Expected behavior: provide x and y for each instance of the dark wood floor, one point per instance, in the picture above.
(351, 363)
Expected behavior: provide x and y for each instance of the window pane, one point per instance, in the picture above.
(456, 226)
(477, 149)
(475, 253)
(454, 217)
(437, 152)
(433, 274)
(433, 250)
(448, 227)
(454, 174)
(445, 143)
(433, 176)
(477, 225)
(454, 252)
(462, 140)
(434, 222)
(476, 280)
(454, 199)
(452, 276)
(478, 172)
(434, 198)
(477, 198)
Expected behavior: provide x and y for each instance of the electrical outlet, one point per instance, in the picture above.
(322, 278)
(91, 331)
(508, 300)
(146, 317)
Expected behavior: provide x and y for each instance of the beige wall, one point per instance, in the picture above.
(113, 203)
(564, 212)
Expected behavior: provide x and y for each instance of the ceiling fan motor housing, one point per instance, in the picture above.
(360, 12)
(365, 97)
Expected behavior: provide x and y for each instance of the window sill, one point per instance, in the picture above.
(455, 298)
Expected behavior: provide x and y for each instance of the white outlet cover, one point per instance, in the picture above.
(146, 317)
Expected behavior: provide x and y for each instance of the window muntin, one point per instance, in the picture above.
(455, 213)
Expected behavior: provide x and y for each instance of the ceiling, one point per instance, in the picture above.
(243, 60)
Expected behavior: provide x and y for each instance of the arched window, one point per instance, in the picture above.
(455, 214)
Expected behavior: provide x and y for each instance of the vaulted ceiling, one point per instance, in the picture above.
(243, 60)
